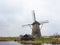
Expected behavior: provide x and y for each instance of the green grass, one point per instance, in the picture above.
(44, 39)
(9, 38)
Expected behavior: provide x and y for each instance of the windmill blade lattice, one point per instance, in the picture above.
(44, 22)
(34, 16)
(26, 25)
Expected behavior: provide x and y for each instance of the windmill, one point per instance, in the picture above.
(36, 27)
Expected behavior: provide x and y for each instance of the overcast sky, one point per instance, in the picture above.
(15, 13)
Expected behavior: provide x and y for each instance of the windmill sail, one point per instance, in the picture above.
(34, 16)
(44, 22)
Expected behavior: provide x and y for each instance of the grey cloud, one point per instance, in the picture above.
(12, 16)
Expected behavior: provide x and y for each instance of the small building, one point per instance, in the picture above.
(27, 37)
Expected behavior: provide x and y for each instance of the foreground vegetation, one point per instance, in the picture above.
(49, 40)
(9, 39)
(44, 39)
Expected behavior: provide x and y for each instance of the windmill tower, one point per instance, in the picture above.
(36, 27)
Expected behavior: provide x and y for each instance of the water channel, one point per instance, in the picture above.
(16, 43)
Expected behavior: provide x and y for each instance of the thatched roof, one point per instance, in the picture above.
(36, 22)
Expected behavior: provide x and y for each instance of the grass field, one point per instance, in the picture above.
(49, 40)
(9, 39)
(44, 39)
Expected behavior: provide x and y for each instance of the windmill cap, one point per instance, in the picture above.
(35, 23)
